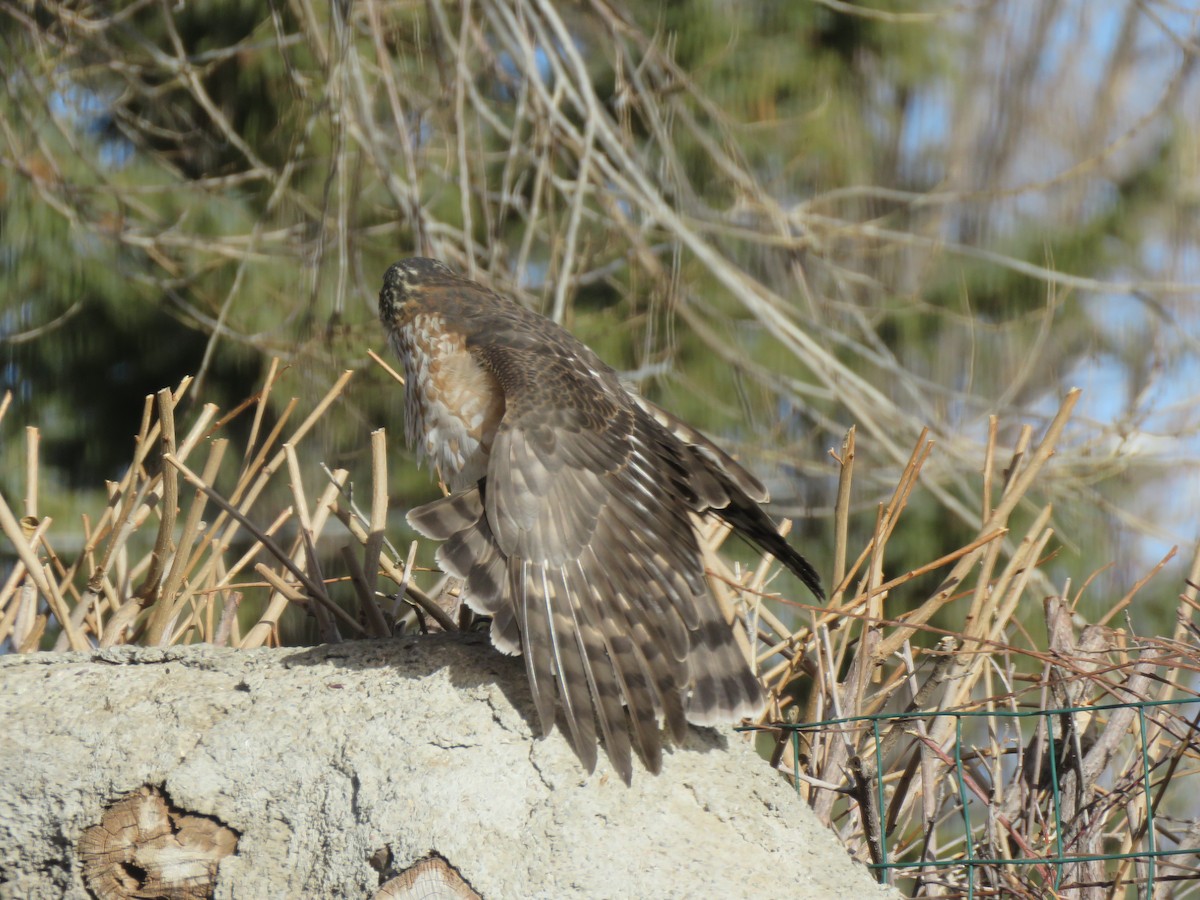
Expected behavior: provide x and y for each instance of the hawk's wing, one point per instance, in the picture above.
(580, 537)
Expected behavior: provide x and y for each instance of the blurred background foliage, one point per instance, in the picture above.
(780, 219)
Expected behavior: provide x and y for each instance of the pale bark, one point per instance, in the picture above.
(339, 767)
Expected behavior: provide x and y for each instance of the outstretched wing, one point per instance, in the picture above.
(597, 580)
(588, 501)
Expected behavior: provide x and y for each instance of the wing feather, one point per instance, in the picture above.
(701, 448)
(537, 642)
(603, 670)
(570, 661)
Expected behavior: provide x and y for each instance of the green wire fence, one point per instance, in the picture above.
(1011, 819)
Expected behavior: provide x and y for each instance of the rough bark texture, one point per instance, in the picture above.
(339, 767)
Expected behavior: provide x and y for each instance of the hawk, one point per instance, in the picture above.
(572, 517)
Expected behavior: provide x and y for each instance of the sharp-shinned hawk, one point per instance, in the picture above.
(572, 517)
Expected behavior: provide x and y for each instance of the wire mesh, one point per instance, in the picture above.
(1009, 818)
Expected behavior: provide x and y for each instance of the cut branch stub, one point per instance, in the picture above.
(431, 878)
(143, 847)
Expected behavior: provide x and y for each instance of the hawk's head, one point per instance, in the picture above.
(403, 280)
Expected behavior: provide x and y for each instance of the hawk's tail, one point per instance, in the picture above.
(723, 688)
(470, 552)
